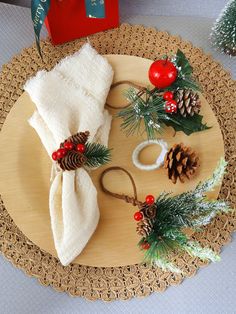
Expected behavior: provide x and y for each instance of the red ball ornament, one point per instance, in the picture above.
(162, 73)
(171, 106)
(54, 156)
(168, 95)
(61, 152)
(150, 199)
(68, 145)
(80, 148)
(138, 216)
(145, 245)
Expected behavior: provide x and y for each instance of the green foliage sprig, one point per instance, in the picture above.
(147, 114)
(97, 155)
(175, 213)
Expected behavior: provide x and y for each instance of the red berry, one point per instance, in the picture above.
(80, 148)
(168, 95)
(162, 73)
(61, 152)
(54, 156)
(150, 199)
(171, 106)
(68, 145)
(145, 245)
(138, 216)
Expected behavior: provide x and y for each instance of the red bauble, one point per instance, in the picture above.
(168, 95)
(162, 73)
(54, 156)
(80, 148)
(171, 106)
(68, 145)
(150, 199)
(138, 216)
(145, 245)
(61, 152)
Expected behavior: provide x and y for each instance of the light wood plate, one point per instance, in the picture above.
(25, 172)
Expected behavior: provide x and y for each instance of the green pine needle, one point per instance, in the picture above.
(97, 155)
(141, 115)
(216, 178)
(167, 265)
(194, 249)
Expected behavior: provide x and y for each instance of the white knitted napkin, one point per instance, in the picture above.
(70, 99)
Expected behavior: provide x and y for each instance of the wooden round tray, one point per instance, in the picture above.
(25, 172)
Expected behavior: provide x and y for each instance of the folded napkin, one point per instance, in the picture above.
(70, 99)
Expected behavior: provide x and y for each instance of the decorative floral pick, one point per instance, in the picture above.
(173, 102)
(161, 222)
(76, 152)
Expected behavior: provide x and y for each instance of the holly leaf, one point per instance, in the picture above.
(188, 125)
(183, 64)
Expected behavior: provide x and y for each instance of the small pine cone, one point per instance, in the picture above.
(78, 138)
(188, 102)
(148, 211)
(144, 227)
(181, 162)
(72, 160)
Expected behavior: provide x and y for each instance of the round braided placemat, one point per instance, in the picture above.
(124, 282)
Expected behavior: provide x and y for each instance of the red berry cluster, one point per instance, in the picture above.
(67, 146)
(139, 216)
(171, 104)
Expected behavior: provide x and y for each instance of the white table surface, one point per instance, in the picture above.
(213, 289)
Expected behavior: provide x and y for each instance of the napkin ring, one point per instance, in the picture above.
(76, 152)
(160, 159)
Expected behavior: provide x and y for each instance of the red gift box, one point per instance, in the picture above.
(67, 20)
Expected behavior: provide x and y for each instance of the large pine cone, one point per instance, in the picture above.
(181, 162)
(188, 102)
(144, 227)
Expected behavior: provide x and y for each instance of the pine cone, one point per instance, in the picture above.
(188, 102)
(78, 138)
(144, 227)
(181, 162)
(72, 161)
(148, 211)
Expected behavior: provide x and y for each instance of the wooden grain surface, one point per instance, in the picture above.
(25, 172)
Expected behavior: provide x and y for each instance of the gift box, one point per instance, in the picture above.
(71, 19)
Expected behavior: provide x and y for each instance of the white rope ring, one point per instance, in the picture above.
(159, 161)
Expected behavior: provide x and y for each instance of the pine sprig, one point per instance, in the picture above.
(146, 113)
(193, 248)
(142, 114)
(97, 155)
(209, 184)
(187, 210)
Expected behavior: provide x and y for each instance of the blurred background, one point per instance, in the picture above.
(201, 8)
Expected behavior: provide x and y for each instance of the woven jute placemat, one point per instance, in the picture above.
(110, 283)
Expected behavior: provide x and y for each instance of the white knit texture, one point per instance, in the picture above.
(70, 99)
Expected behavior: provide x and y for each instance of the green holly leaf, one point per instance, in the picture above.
(188, 125)
(183, 64)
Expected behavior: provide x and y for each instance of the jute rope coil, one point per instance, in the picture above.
(134, 280)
